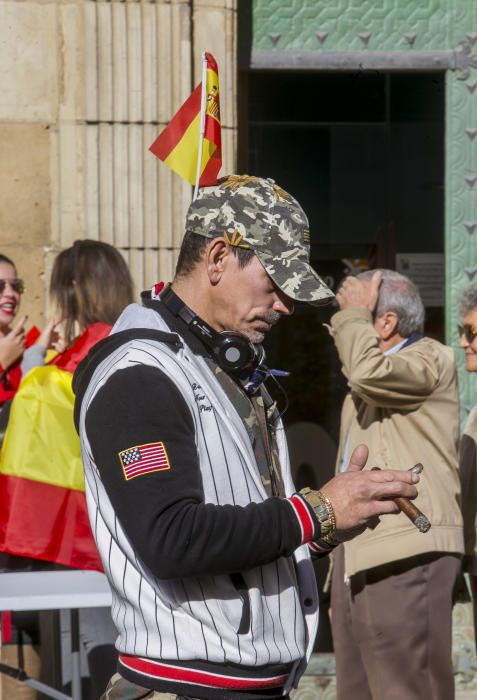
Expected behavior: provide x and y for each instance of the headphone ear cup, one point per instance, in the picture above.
(234, 352)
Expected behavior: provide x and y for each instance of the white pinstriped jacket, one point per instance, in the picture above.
(198, 618)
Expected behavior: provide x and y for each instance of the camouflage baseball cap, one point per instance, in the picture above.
(255, 213)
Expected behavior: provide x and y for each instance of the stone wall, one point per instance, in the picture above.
(87, 86)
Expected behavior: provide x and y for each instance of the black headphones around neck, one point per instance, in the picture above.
(232, 350)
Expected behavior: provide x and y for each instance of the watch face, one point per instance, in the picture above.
(323, 518)
(321, 513)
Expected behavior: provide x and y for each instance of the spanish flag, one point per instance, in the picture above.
(191, 142)
(43, 512)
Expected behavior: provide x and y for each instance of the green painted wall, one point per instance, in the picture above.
(405, 26)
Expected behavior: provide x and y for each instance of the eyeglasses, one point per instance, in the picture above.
(17, 285)
(468, 331)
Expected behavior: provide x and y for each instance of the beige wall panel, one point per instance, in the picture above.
(137, 153)
(229, 118)
(165, 230)
(151, 268)
(24, 184)
(54, 236)
(213, 4)
(49, 254)
(91, 61)
(152, 215)
(106, 183)
(138, 65)
(182, 82)
(69, 193)
(229, 150)
(166, 264)
(165, 68)
(92, 181)
(131, 198)
(164, 219)
(181, 198)
(71, 73)
(135, 261)
(121, 179)
(141, 53)
(150, 51)
(174, 58)
(29, 61)
(120, 62)
(104, 42)
(135, 86)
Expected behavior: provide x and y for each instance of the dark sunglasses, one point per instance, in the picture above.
(17, 285)
(468, 331)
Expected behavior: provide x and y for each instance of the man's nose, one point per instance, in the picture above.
(463, 342)
(284, 305)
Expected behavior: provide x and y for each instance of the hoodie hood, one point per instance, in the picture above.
(135, 323)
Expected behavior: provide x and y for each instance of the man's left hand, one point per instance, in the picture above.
(357, 293)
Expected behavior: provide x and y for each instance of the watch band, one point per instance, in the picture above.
(324, 512)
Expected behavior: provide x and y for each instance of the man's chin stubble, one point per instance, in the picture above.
(256, 337)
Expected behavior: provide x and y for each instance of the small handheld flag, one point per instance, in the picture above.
(191, 142)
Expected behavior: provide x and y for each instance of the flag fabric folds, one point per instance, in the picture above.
(179, 143)
(43, 511)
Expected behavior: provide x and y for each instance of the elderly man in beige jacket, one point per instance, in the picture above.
(392, 585)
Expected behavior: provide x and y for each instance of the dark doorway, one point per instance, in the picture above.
(363, 153)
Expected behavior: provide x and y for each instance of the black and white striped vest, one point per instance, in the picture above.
(198, 618)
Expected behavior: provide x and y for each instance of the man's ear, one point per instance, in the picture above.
(387, 325)
(216, 258)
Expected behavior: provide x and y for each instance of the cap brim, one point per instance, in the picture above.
(298, 280)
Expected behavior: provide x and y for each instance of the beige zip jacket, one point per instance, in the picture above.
(405, 408)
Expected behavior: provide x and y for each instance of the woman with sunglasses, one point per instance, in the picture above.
(468, 446)
(17, 357)
(90, 285)
(15, 360)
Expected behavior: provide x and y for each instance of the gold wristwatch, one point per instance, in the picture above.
(324, 513)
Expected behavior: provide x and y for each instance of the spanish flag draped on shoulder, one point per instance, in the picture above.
(191, 142)
(43, 512)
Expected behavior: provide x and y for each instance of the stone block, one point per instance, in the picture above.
(25, 184)
(72, 66)
(68, 192)
(29, 60)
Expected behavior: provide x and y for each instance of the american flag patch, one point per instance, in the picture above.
(144, 459)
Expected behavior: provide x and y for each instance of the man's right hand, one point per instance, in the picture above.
(360, 497)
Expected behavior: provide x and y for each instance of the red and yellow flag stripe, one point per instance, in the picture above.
(43, 511)
(178, 144)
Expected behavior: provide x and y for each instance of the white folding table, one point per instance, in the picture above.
(56, 590)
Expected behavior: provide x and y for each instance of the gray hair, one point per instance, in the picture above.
(468, 300)
(400, 295)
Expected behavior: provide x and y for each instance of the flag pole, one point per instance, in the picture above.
(203, 103)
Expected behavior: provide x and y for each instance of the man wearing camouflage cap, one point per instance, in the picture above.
(203, 538)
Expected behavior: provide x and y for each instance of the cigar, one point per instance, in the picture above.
(416, 516)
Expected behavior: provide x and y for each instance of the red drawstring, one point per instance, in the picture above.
(6, 626)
